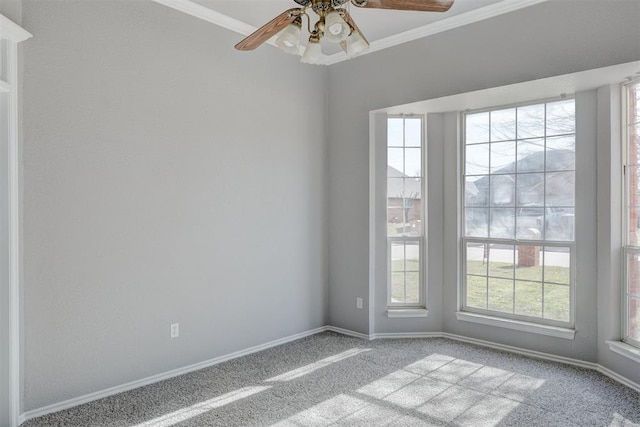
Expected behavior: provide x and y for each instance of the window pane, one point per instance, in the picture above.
(528, 299)
(413, 162)
(477, 159)
(502, 223)
(500, 295)
(395, 206)
(634, 145)
(634, 318)
(397, 256)
(502, 190)
(633, 275)
(477, 128)
(413, 132)
(477, 254)
(395, 159)
(561, 153)
(476, 222)
(531, 155)
(501, 259)
(557, 265)
(633, 225)
(529, 263)
(556, 302)
(559, 224)
(477, 291)
(531, 121)
(530, 189)
(412, 295)
(529, 222)
(561, 117)
(397, 287)
(503, 125)
(503, 155)
(476, 191)
(405, 272)
(412, 256)
(560, 189)
(395, 132)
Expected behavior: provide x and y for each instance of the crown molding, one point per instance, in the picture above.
(224, 21)
(12, 31)
(496, 9)
(201, 12)
(446, 24)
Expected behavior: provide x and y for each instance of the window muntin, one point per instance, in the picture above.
(631, 300)
(405, 211)
(518, 212)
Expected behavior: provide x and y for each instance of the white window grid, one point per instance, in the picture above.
(628, 249)
(418, 240)
(568, 245)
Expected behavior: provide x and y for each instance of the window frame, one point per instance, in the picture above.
(421, 240)
(627, 248)
(543, 243)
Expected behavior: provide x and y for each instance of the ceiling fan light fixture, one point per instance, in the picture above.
(336, 29)
(356, 43)
(289, 39)
(313, 52)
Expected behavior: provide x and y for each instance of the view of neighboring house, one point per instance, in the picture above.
(537, 200)
(404, 199)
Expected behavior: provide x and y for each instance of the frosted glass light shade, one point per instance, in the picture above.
(356, 43)
(336, 29)
(313, 54)
(289, 39)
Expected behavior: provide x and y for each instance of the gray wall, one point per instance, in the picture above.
(168, 178)
(12, 9)
(549, 39)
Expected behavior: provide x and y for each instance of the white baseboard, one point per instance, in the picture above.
(394, 335)
(516, 350)
(348, 332)
(207, 363)
(160, 377)
(619, 378)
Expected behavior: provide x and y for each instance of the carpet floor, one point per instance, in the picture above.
(332, 379)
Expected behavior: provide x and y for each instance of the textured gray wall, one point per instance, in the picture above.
(12, 9)
(168, 178)
(549, 39)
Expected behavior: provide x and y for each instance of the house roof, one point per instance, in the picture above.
(409, 187)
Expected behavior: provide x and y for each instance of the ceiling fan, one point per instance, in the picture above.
(334, 25)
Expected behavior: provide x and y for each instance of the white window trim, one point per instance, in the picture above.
(404, 313)
(518, 325)
(419, 309)
(14, 35)
(627, 249)
(495, 318)
(624, 349)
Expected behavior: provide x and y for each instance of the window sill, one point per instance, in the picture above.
(402, 313)
(518, 325)
(624, 349)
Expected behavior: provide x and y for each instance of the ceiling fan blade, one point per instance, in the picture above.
(349, 20)
(268, 30)
(419, 5)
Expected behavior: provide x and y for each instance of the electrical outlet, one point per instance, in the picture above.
(359, 303)
(175, 330)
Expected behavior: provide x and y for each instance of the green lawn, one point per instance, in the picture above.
(398, 281)
(496, 279)
(528, 293)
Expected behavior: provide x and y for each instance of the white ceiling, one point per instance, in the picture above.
(383, 28)
(374, 23)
